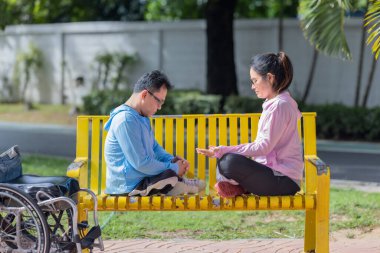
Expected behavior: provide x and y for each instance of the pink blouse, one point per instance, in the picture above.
(277, 144)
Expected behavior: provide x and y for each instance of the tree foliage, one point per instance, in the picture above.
(28, 63)
(112, 69)
(52, 11)
(323, 25)
(165, 10)
(372, 22)
(266, 8)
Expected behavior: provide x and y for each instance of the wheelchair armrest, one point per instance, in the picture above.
(74, 169)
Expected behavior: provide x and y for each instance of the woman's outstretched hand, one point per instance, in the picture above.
(210, 152)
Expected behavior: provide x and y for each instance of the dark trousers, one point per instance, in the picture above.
(254, 177)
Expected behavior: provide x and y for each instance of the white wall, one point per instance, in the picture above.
(179, 49)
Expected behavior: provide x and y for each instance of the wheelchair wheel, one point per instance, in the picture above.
(61, 231)
(23, 226)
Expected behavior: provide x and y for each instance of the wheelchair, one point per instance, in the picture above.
(38, 214)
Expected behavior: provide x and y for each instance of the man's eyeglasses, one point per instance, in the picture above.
(159, 101)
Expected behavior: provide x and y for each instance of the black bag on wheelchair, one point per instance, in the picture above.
(10, 165)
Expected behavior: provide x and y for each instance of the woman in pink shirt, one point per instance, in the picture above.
(272, 164)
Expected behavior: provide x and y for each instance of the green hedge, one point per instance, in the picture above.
(101, 102)
(340, 122)
(177, 102)
(190, 102)
(334, 121)
(236, 104)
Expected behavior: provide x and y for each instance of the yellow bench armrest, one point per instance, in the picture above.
(321, 166)
(73, 170)
(317, 174)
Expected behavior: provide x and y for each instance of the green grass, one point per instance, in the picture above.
(203, 225)
(41, 113)
(349, 209)
(16, 108)
(44, 165)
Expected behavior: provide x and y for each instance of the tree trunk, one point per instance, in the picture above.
(119, 74)
(221, 74)
(311, 76)
(369, 84)
(25, 88)
(281, 27)
(107, 68)
(95, 84)
(31, 11)
(360, 66)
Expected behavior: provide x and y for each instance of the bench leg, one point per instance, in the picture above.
(322, 214)
(317, 221)
(310, 231)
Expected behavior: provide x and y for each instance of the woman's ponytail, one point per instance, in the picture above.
(278, 65)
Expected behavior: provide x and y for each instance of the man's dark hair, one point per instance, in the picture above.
(152, 81)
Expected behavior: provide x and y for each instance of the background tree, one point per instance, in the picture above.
(221, 73)
(27, 65)
(219, 15)
(323, 26)
(372, 23)
(111, 70)
(373, 26)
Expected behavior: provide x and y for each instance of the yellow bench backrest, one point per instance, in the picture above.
(180, 135)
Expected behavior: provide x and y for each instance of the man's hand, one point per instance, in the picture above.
(176, 158)
(183, 166)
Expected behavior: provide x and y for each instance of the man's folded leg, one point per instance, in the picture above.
(161, 183)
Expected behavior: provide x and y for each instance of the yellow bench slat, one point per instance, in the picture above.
(201, 203)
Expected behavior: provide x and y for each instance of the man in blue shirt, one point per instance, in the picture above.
(136, 163)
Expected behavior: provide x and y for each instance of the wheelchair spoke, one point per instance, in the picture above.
(23, 227)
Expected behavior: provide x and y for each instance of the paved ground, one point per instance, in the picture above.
(342, 245)
(346, 241)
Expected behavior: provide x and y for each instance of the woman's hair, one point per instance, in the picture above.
(278, 65)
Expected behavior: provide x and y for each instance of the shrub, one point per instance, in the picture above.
(373, 118)
(177, 102)
(340, 122)
(236, 104)
(101, 102)
(190, 102)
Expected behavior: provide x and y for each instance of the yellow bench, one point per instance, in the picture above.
(180, 135)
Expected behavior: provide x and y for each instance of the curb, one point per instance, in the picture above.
(356, 185)
(348, 146)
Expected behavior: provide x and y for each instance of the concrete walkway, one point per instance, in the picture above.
(368, 245)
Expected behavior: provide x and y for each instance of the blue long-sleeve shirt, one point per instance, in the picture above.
(131, 152)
